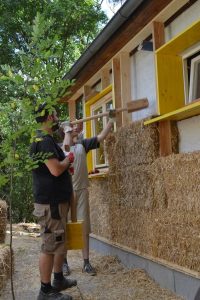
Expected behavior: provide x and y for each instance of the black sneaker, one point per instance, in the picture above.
(88, 269)
(63, 284)
(53, 295)
(66, 269)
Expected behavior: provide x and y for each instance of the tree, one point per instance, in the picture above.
(39, 52)
(76, 23)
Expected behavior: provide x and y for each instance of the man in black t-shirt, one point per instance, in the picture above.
(52, 188)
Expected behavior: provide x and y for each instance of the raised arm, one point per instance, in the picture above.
(103, 134)
(109, 126)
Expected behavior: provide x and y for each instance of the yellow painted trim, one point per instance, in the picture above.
(170, 83)
(99, 96)
(182, 41)
(88, 104)
(169, 70)
(185, 112)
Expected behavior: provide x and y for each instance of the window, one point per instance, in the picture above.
(99, 157)
(194, 87)
(192, 75)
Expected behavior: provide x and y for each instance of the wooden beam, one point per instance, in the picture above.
(136, 105)
(105, 78)
(87, 90)
(165, 136)
(91, 95)
(131, 106)
(125, 84)
(117, 100)
(158, 35)
(72, 110)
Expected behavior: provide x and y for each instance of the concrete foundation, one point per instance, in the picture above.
(181, 283)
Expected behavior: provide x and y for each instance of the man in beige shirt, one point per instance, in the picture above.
(80, 148)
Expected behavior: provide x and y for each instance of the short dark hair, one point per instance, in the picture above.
(42, 108)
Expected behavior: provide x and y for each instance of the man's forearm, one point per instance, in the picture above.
(57, 167)
(67, 142)
(105, 131)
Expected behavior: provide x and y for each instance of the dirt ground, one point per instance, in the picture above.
(113, 280)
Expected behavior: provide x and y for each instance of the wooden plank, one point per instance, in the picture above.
(158, 34)
(165, 139)
(105, 78)
(72, 110)
(125, 84)
(130, 107)
(117, 100)
(87, 90)
(170, 85)
(137, 105)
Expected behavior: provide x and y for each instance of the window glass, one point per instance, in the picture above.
(98, 127)
(192, 77)
(99, 158)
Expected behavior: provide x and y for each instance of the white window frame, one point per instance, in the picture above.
(102, 103)
(195, 62)
(189, 88)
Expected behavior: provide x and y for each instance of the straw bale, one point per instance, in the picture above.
(135, 145)
(99, 207)
(139, 187)
(4, 264)
(169, 234)
(181, 174)
(3, 220)
(176, 238)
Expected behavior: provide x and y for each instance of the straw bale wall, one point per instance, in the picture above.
(3, 220)
(4, 264)
(147, 203)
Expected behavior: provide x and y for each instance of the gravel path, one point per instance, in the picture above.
(113, 280)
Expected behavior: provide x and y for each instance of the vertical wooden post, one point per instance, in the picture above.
(165, 138)
(125, 85)
(117, 88)
(72, 110)
(86, 91)
(105, 78)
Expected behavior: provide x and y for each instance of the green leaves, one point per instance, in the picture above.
(40, 40)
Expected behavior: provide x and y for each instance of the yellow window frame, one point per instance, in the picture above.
(88, 105)
(170, 76)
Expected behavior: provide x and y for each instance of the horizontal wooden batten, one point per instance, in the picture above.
(185, 112)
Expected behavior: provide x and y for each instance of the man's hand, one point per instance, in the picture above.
(66, 126)
(70, 157)
(112, 115)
